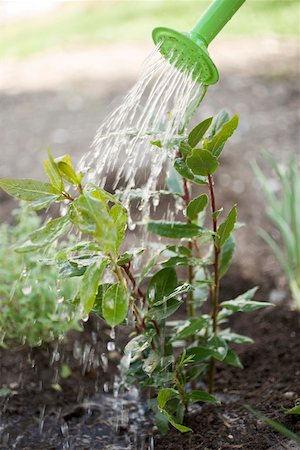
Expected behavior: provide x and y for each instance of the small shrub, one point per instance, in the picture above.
(33, 308)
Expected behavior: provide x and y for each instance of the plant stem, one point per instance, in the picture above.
(191, 303)
(215, 296)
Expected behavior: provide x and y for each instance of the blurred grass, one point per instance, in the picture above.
(95, 22)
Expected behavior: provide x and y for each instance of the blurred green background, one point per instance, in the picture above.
(94, 22)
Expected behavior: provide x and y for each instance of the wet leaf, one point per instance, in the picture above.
(174, 181)
(115, 304)
(192, 327)
(217, 143)
(89, 284)
(162, 284)
(244, 302)
(53, 174)
(202, 162)
(181, 166)
(196, 206)
(175, 230)
(45, 235)
(90, 214)
(42, 194)
(198, 132)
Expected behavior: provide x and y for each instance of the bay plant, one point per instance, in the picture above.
(163, 296)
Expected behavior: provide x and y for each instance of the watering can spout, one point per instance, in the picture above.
(189, 51)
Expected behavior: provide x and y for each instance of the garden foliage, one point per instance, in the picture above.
(283, 210)
(167, 353)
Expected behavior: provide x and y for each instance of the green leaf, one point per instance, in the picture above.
(180, 290)
(43, 194)
(230, 336)
(174, 181)
(127, 257)
(151, 362)
(295, 410)
(196, 206)
(200, 353)
(218, 121)
(176, 261)
(276, 425)
(202, 162)
(66, 170)
(115, 304)
(175, 230)
(215, 146)
(53, 174)
(219, 347)
(192, 326)
(65, 371)
(45, 235)
(184, 149)
(182, 168)
(198, 132)
(164, 395)
(202, 396)
(165, 310)
(4, 392)
(90, 214)
(156, 143)
(118, 213)
(162, 284)
(227, 253)
(244, 302)
(179, 427)
(161, 422)
(90, 283)
(232, 359)
(225, 229)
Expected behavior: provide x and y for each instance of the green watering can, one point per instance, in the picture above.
(188, 51)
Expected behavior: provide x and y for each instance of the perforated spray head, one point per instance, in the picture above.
(188, 51)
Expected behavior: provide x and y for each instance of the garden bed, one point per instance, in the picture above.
(46, 411)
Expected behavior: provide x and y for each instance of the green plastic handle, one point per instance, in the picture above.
(214, 19)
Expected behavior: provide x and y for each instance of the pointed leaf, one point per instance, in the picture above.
(161, 285)
(202, 396)
(175, 230)
(198, 132)
(90, 283)
(45, 235)
(43, 194)
(226, 228)
(227, 255)
(196, 206)
(115, 304)
(215, 146)
(53, 174)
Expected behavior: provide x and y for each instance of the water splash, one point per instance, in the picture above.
(157, 108)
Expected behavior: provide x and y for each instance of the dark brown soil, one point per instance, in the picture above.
(45, 411)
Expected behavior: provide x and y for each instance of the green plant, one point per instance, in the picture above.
(166, 357)
(33, 308)
(275, 425)
(283, 210)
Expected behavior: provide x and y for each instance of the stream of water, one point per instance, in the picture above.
(157, 108)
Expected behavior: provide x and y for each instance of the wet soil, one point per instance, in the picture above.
(46, 411)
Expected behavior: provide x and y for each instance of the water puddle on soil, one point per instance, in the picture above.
(103, 422)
